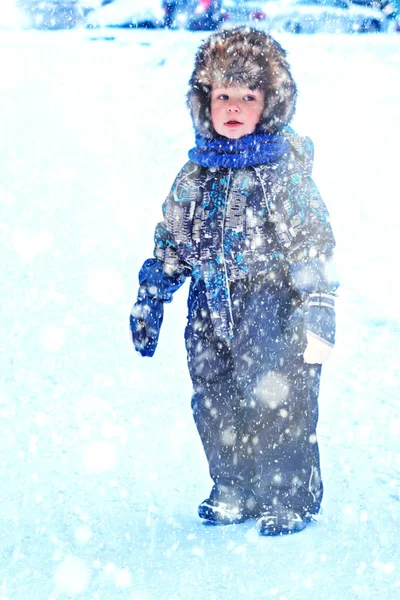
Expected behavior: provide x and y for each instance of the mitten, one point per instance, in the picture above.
(317, 350)
(145, 323)
(320, 326)
(156, 288)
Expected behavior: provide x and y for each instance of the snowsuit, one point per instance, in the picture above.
(245, 221)
(255, 402)
(255, 242)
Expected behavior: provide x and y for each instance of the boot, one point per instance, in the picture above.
(228, 505)
(278, 519)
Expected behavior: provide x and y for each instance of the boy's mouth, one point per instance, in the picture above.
(233, 123)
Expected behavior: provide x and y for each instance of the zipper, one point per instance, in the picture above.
(264, 192)
(223, 247)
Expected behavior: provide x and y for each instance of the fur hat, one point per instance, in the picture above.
(243, 57)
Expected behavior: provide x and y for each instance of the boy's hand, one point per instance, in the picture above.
(317, 350)
(145, 323)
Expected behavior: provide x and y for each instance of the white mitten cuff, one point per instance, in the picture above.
(318, 350)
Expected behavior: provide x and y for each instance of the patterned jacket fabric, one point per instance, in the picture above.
(223, 224)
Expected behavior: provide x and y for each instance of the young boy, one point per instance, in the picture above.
(246, 222)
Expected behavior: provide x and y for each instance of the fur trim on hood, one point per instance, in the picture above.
(243, 57)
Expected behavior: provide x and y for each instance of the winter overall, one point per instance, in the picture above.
(255, 400)
(245, 221)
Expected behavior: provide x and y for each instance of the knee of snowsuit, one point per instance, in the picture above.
(255, 401)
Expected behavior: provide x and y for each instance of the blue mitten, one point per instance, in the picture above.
(145, 322)
(156, 287)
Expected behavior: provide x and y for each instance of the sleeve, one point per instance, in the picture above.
(160, 277)
(310, 247)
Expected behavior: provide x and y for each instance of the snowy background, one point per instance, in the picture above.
(101, 466)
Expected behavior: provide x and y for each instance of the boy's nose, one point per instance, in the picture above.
(233, 108)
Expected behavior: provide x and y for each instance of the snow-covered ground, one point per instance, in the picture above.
(101, 468)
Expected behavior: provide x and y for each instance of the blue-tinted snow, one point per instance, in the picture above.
(101, 466)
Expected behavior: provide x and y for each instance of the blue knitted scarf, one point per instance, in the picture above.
(249, 150)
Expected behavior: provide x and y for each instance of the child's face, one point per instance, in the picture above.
(235, 111)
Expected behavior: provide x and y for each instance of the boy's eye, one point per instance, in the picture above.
(223, 97)
(249, 98)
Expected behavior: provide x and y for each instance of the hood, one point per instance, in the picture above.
(244, 57)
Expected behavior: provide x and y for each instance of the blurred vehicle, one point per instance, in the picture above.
(388, 7)
(243, 12)
(127, 13)
(50, 14)
(178, 13)
(208, 15)
(175, 14)
(305, 16)
(326, 16)
(89, 5)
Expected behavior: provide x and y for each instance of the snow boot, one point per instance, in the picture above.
(281, 520)
(228, 506)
